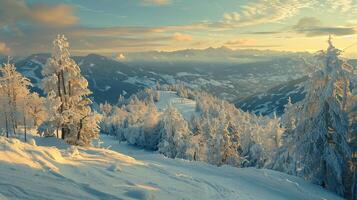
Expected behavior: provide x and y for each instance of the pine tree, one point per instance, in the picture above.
(318, 148)
(77, 122)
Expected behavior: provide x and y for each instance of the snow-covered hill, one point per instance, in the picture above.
(50, 169)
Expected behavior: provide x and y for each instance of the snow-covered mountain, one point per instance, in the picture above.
(274, 99)
(108, 78)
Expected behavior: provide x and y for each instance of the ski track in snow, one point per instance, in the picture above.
(122, 171)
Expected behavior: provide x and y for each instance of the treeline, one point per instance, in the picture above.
(65, 110)
(217, 132)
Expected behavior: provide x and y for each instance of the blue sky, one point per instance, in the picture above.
(119, 26)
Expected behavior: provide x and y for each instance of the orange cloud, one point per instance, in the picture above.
(13, 11)
(181, 37)
(59, 15)
(4, 48)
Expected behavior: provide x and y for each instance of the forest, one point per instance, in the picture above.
(314, 138)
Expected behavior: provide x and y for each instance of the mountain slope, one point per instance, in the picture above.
(42, 172)
(274, 99)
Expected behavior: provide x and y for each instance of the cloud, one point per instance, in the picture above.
(263, 32)
(307, 22)
(311, 26)
(156, 2)
(85, 40)
(240, 42)
(234, 16)
(265, 11)
(318, 31)
(120, 56)
(113, 31)
(4, 48)
(14, 11)
(181, 37)
(341, 5)
(59, 15)
(247, 43)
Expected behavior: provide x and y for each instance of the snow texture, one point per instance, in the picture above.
(47, 172)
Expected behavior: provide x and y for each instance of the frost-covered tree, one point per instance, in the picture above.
(36, 110)
(218, 132)
(288, 119)
(175, 139)
(106, 110)
(318, 149)
(16, 100)
(62, 76)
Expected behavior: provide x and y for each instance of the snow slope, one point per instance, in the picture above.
(30, 171)
(185, 106)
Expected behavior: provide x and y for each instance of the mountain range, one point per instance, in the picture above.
(256, 81)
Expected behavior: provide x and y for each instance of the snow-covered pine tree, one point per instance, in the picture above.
(77, 122)
(352, 137)
(318, 149)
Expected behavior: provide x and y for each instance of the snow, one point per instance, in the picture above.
(182, 74)
(122, 73)
(185, 106)
(125, 172)
(31, 73)
(135, 80)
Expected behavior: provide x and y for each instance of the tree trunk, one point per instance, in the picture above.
(62, 106)
(25, 128)
(63, 84)
(80, 129)
(64, 133)
(13, 126)
(7, 126)
(69, 88)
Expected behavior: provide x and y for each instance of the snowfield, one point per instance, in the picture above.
(185, 106)
(45, 168)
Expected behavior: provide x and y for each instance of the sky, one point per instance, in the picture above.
(113, 27)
